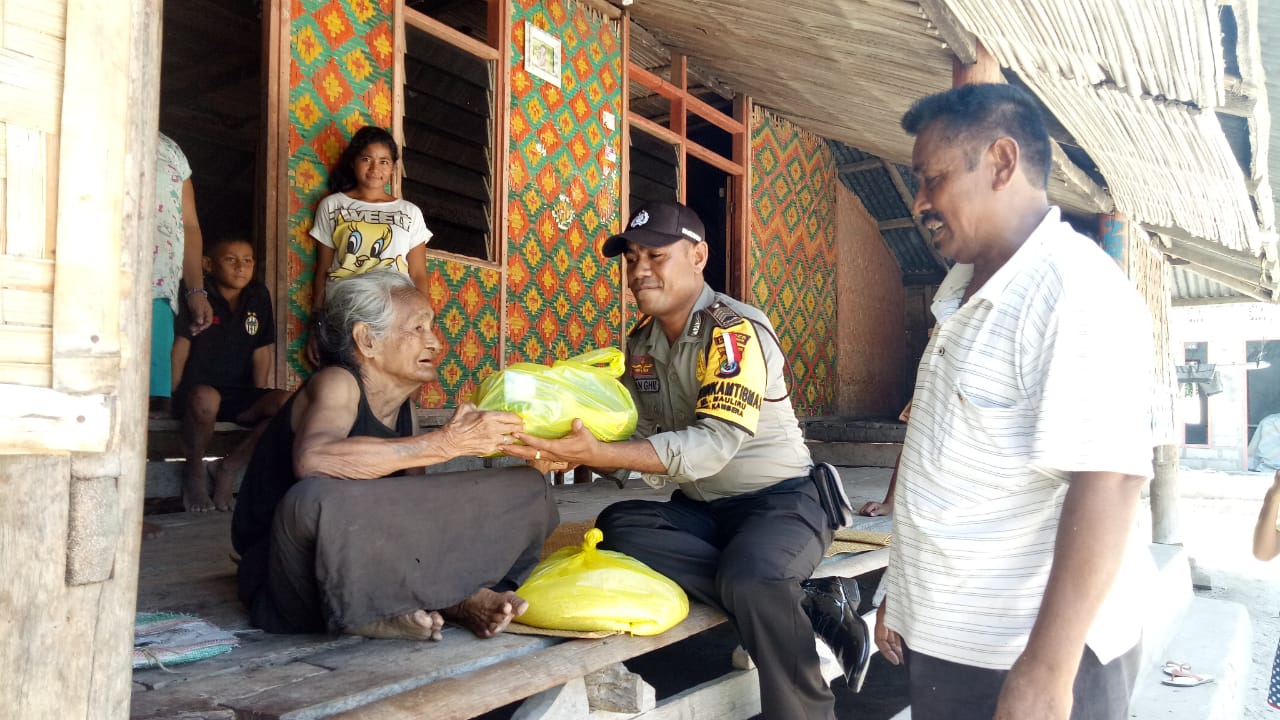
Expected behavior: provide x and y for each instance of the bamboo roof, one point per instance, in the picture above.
(1159, 107)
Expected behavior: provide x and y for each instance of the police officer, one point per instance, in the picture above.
(747, 523)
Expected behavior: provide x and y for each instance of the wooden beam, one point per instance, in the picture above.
(1080, 180)
(983, 69)
(903, 192)
(1212, 252)
(1240, 285)
(624, 169)
(91, 182)
(1241, 98)
(897, 224)
(961, 41)
(456, 697)
(712, 158)
(277, 49)
(674, 93)
(739, 281)
(679, 68)
(499, 30)
(439, 30)
(667, 135)
(861, 165)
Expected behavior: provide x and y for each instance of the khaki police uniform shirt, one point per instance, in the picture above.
(704, 406)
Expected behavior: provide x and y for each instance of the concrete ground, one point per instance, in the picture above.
(1218, 512)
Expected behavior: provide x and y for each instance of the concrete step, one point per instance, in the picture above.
(856, 454)
(1166, 600)
(837, 429)
(1214, 638)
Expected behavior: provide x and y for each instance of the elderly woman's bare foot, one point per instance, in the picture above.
(487, 613)
(417, 625)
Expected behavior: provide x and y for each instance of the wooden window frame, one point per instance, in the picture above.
(737, 167)
(495, 53)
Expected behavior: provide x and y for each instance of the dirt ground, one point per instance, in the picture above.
(1217, 517)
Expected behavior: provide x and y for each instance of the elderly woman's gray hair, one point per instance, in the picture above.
(367, 298)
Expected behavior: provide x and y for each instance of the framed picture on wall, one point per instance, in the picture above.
(542, 54)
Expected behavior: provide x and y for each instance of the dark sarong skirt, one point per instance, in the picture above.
(345, 553)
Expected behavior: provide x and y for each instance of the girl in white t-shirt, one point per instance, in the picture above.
(361, 226)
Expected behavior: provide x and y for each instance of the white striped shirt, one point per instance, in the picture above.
(1046, 370)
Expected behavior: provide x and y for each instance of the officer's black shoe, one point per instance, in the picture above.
(832, 606)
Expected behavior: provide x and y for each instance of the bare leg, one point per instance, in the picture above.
(487, 613)
(226, 470)
(417, 625)
(197, 431)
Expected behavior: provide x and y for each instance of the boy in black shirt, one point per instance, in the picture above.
(221, 373)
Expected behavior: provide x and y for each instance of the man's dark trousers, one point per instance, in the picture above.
(745, 555)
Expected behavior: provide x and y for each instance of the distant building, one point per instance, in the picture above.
(1241, 341)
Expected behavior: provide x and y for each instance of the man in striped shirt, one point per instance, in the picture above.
(1013, 571)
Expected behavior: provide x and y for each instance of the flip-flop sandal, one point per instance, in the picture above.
(1182, 678)
(1171, 667)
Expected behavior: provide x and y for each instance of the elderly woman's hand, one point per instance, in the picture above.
(480, 432)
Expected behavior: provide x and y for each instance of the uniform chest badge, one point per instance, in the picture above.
(251, 323)
(644, 373)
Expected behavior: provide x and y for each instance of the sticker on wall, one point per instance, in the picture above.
(542, 54)
(562, 211)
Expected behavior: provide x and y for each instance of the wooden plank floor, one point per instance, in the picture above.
(189, 569)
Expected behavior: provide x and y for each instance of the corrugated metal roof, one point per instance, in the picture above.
(1189, 285)
(847, 154)
(913, 255)
(877, 193)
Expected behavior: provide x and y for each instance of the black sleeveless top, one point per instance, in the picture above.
(270, 475)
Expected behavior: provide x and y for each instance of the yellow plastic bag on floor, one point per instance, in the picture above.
(582, 588)
(548, 399)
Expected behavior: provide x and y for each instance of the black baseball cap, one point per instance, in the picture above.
(657, 224)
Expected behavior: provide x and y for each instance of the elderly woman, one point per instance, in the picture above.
(333, 536)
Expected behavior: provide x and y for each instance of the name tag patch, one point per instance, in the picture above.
(644, 373)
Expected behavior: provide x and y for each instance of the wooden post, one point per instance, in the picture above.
(1165, 495)
(66, 651)
(984, 69)
(739, 283)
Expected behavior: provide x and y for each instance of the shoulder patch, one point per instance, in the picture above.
(723, 315)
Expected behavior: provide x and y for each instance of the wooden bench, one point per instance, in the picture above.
(188, 569)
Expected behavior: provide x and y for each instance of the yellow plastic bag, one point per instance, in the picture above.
(582, 588)
(549, 398)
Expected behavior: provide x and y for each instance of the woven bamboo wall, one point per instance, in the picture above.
(792, 256)
(32, 49)
(1147, 269)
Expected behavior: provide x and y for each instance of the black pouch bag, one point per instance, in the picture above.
(831, 491)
